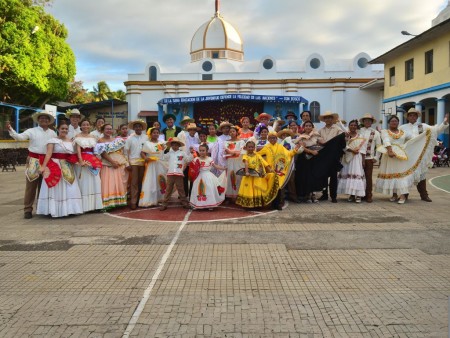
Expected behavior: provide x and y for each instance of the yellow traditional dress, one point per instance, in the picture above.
(280, 160)
(254, 191)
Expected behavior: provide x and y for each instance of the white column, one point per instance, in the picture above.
(338, 100)
(400, 116)
(440, 110)
(419, 108)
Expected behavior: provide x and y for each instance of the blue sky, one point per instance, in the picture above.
(113, 38)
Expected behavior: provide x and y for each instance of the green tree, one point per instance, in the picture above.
(101, 92)
(36, 63)
(120, 95)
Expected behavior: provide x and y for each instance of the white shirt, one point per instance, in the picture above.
(73, 132)
(413, 129)
(133, 147)
(38, 138)
(328, 133)
(177, 161)
(96, 134)
(190, 141)
(376, 141)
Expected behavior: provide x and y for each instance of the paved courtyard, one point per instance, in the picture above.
(322, 270)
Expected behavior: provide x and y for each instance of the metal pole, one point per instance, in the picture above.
(112, 112)
(17, 119)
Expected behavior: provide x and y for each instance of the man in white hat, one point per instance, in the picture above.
(132, 150)
(74, 116)
(37, 148)
(373, 140)
(329, 131)
(415, 128)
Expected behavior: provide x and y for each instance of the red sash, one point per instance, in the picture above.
(71, 158)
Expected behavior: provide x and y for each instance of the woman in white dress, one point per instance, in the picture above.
(351, 179)
(114, 173)
(88, 169)
(208, 191)
(60, 194)
(232, 152)
(392, 180)
(155, 180)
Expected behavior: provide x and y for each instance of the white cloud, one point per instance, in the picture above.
(112, 38)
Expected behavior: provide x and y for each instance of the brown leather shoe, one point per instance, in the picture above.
(162, 208)
(369, 199)
(426, 199)
(27, 215)
(133, 207)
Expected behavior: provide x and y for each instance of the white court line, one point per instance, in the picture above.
(148, 291)
(431, 182)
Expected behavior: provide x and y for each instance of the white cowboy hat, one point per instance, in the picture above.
(413, 111)
(73, 112)
(368, 116)
(36, 116)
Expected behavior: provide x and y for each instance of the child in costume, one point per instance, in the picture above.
(208, 191)
(177, 161)
(259, 186)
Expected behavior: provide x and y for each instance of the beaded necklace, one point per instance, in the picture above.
(395, 136)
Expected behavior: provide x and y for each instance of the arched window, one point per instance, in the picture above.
(314, 107)
(153, 74)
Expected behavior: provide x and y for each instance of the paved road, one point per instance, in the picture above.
(322, 270)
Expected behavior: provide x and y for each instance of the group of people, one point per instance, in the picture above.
(78, 169)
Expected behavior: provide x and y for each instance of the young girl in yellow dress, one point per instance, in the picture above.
(259, 186)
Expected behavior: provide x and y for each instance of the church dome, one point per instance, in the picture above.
(217, 39)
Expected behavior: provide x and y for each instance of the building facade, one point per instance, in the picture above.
(219, 84)
(417, 73)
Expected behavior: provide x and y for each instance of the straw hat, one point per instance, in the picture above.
(368, 116)
(191, 126)
(285, 131)
(327, 114)
(35, 116)
(166, 116)
(262, 115)
(224, 124)
(73, 113)
(174, 140)
(413, 111)
(141, 122)
(186, 119)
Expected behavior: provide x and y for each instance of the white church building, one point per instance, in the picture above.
(219, 84)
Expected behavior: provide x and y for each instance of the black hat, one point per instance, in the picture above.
(167, 116)
(290, 113)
